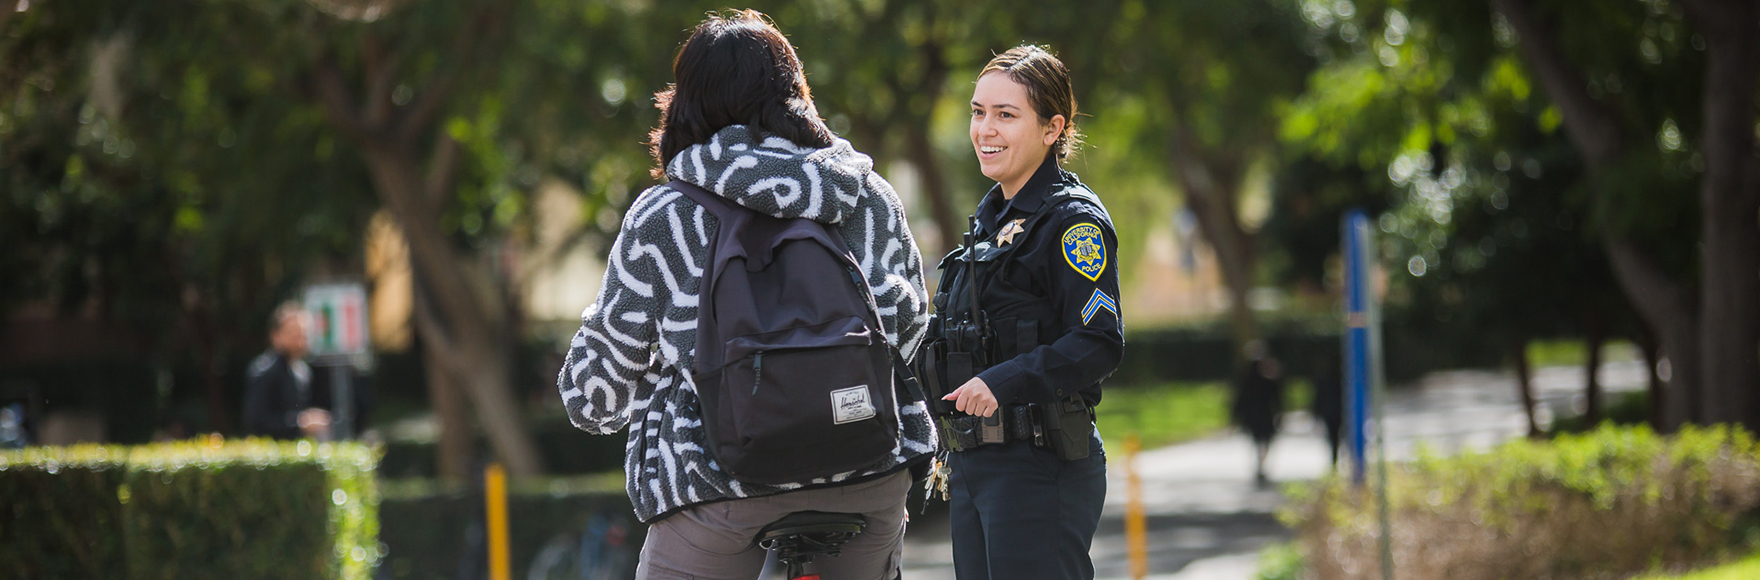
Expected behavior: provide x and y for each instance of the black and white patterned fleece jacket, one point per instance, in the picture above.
(630, 362)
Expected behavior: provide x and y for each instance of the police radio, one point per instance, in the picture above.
(961, 350)
(968, 340)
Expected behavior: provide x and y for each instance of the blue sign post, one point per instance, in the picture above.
(1362, 365)
(1358, 255)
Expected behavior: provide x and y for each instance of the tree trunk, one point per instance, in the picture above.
(1684, 398)
(920, 150)
(1729, 333)
(207, 346)
(920, 146)
(198, 321)
(1592, 371)
(214, 389)
(1653, 381)
(1664, 303)
(1525, 386)
(8, 9)
(461, 330)
(455, 452)
(1667, 308)
(1210, 189)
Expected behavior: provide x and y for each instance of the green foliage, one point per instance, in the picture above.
(1280, 561)
(1544, 353)
(193, 509)
(1487, 223)
(1622, 409)
(163, 184)
(1417, 340)
(1740, 570)
(1206, 352)
(1616, 500)
(52, 512)
(172, 171)
(1161, 414)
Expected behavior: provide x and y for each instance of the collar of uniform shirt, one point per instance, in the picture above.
(1027, 200)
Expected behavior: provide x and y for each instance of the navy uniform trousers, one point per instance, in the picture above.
(1019, 512)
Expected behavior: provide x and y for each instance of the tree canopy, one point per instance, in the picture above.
(1536, 167)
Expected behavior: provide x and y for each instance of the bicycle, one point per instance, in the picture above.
(600, 551)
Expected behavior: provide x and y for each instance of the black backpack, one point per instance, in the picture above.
(792, 369)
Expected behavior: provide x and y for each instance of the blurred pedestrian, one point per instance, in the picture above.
(739, 123)
(278, 384)
(1258, 403)
(1328, 404)
(12, 427)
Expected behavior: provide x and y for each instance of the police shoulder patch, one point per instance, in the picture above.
(1085, 250)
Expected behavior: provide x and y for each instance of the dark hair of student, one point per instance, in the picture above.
(1048, 90)
(736, 69)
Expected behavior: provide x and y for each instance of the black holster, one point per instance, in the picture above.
(1069, 426)
(930, 367)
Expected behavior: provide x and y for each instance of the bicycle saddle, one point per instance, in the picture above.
(800, 536)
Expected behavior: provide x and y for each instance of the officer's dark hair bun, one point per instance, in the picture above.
(1048, 89)
(736, 69)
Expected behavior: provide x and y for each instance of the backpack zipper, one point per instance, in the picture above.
(757, 371)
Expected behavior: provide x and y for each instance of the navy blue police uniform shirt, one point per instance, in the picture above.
(1071, 257)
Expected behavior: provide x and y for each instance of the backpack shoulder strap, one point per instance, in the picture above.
(904, 379)
(714, 203)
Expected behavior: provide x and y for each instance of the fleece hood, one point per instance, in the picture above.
(774, 176)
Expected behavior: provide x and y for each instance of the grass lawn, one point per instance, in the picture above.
(1161, 414)
(1548, 353)
(1745, 569)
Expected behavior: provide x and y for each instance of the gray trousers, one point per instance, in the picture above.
(715, 541)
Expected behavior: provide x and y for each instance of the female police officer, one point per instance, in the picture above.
(1027, 326)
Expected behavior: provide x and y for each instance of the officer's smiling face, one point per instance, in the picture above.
(1009, 136)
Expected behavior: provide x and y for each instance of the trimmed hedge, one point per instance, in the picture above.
(196, 509)
(1160, 355)
(1414, 343)
(1608, 503)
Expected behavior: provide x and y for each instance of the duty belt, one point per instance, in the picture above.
(1015, 423)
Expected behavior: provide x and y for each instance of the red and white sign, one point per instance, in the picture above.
(339, 319)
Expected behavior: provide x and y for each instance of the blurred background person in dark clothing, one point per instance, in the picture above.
(1328, 404)
(1258, 403)
(13, 434)
(278, 387)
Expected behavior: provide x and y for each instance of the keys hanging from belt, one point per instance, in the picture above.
(936, 483)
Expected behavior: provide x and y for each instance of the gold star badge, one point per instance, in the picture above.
(1087, 251)
(1006, 236)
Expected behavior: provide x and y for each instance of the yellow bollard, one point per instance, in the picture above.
(495, 495)
(1136, 528)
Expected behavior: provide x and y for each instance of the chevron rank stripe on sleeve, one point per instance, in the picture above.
(1097, 302)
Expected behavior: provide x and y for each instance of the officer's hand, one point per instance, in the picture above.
(974, 398)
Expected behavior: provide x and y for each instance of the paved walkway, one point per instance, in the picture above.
(1207, 520)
